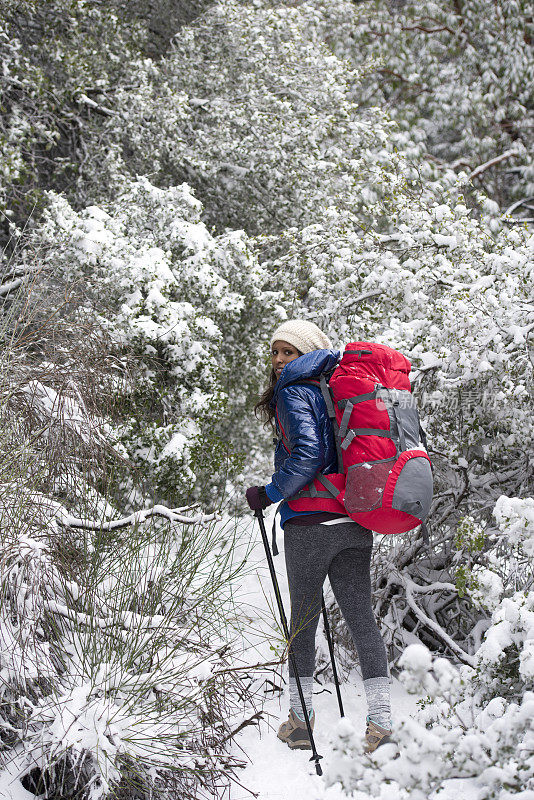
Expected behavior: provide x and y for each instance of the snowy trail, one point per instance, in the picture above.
(277, 773)
(273, 771)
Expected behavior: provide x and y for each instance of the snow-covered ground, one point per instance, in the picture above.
(273, 771)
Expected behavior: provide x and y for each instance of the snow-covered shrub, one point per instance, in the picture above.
(115, 649)
(116, 633)
(476, 721)
(188, 308)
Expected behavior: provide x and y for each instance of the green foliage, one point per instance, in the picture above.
(461, 580)
(469, 535)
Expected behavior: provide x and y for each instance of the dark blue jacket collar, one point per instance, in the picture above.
(309, 365)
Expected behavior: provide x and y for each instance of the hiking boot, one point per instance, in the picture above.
(295, 733)
(375, 736)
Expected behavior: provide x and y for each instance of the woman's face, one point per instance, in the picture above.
(281, 354)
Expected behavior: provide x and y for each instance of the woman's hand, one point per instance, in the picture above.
(257, 498)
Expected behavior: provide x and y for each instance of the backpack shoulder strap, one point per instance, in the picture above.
(328, 398)
(329, 402)
(326, 392)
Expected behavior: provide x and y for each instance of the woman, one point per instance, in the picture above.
(317, 544)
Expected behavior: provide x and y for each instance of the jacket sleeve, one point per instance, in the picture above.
(297, 416)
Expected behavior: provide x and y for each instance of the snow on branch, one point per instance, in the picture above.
(514, 206)
(7, 288)
(87, 101)
(137, 518)
(492, 162)
(126, 622)
(352, 301)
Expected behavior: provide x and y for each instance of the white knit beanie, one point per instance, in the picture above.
(303, 335)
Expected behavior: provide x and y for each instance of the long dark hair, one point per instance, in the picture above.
(263, 408)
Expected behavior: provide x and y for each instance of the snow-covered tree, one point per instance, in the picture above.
(58, 58)
(458, 73)
(188, 307)
(252, 110)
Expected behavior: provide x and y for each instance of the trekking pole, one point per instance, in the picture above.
(332, 659)
(315, 755)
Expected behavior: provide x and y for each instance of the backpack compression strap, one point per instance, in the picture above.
(347, 434)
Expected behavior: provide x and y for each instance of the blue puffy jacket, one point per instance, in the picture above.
(302, 414)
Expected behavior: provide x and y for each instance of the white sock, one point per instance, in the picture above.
(294, 699)
(378, 694)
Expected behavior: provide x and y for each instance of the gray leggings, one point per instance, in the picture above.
(343, 552)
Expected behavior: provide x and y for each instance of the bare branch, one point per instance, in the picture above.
(428, 30)
(492, 162)
(386, 71)
(137, 518)
(253, 720)
(409, 586)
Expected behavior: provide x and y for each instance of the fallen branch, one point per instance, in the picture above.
(253, 720)
(435, 626)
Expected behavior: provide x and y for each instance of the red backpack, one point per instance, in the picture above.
(386, 484)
